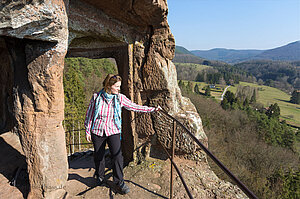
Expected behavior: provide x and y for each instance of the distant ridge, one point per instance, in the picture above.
(182, 50)
(289, 52)
(227, 55)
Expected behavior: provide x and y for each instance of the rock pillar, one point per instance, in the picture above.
(36, 34)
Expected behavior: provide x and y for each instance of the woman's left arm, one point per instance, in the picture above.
(129, 105)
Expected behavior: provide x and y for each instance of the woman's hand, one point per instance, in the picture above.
(88, 137)
(158, 109)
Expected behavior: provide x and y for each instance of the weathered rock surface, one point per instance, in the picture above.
(35, 36)
(151, 179)
(34, 39)
(139, 38)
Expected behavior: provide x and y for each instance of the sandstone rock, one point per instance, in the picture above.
(143, 51)
(34, 39)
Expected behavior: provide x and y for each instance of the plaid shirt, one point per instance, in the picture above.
(105, 119)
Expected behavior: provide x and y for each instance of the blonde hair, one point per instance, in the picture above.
(109, 81)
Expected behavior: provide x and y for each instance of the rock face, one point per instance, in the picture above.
(36, 35)
(137, 35)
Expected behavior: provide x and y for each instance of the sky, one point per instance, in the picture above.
(234, 24)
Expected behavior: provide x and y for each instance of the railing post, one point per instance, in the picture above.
(172, 158)
(235, 179)
(79, 146)
(73, 137)
(70, 145)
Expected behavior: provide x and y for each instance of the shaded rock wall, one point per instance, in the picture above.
(35, 35)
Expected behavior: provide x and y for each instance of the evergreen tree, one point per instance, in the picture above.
(230, 97)
(74, 97)
(200, 77)
(284, 184)
(253, 97)
(246, 102)
(196, 89)
(181, 84)
(295, 97)
(207, 91)
(273, 111)
(225, 105)
(190, 86)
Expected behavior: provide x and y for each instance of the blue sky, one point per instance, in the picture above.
(234, 24)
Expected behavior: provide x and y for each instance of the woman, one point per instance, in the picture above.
(103, 124)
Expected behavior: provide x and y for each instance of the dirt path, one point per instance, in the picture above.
(143, 180)
(224, 93)
(150, 179)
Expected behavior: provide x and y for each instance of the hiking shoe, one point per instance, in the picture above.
(123, 188)
(101, 181)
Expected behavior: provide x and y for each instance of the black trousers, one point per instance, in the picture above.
(114, 144)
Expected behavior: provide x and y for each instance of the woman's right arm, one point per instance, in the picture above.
(89, 118)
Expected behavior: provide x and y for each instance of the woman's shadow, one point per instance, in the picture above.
(86, 162)
(13, 167)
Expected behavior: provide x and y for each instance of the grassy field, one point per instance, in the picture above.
(198, 67)
(266, 96)
(214, 92)
(189, 71)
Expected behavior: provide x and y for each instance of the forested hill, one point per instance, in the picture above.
(182, 50)
(83, 77)
(278, 74)
(226, 55)
(284, 75)
(289, 52)
(181, 56)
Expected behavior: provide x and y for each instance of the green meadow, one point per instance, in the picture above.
(269, 95)
(266, 96)
(198, 67)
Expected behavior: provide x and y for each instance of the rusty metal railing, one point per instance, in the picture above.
(249, 193)
(71, 143)
(171, 157)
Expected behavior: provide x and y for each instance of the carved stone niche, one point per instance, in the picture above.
(122, 55)
(143, 52)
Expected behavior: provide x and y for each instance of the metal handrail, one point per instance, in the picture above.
(178, 172)
(235, 179)
(249, 193)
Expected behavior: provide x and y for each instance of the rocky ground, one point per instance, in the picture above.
(149, 179)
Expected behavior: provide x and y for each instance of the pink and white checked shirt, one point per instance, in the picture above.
(105, 120)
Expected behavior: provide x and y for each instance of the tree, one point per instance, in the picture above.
(273, 111)
(253, 97)
(207, 91)
(284, 184)
(230, 97)
(225, 105)
(200, 77)
(246, 102)
(190, 86)
(181, 84)
(295, 97)
(196, 89)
